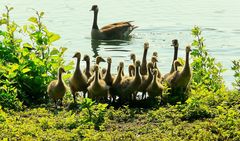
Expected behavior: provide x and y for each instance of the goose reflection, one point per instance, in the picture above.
(109, 45)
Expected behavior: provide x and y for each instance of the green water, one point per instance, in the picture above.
(159, 22)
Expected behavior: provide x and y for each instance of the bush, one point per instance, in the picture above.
(206, 71)
(236, 69)
(27, 65)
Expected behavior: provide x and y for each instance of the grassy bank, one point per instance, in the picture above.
(210, 112)
(205, 116)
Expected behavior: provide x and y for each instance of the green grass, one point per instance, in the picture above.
(214, 116)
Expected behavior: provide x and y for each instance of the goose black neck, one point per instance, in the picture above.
(174, 58)
(150, 73)
(60, 77)
(95, 26)
(87, 66)
(137, 73)
(119, 72)
(144, 55)
(78, 64)
(109, 68)
(187, 61)
(96, 77)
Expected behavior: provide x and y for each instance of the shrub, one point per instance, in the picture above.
(236, 69)
(206, 71)
(27, 65)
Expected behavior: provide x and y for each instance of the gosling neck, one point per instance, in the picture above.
(174, 58)
(150, 75)
(87, 66)
(77, 69)
(144, 59)
(60, 81)
(96, 77)
(109, 69)
(95, 26)
(186, 66)
(137, 73)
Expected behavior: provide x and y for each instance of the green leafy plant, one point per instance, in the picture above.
(236, 69)
(206, 71)
(29, 64)
(95, 113)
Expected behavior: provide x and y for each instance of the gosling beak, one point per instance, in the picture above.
(90, 10)
(64, 71)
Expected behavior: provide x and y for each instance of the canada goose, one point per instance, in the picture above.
(154, 60)
(98, 60)
(179, 80)
(143, 68)
(133, 58)
(98, 89)
(175, 45)
(155, 54)
(108, 78)
(78, 82)
(87, 70)
(155, 88)
(120, 30)
(114, 89)
(146, 80)
(131, 67)
(57, 88)
(129, 85)
(176, 65)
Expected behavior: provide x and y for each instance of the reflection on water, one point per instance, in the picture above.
(109, 45)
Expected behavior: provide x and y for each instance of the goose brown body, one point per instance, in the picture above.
(114, 89)
(57, 88)
(129, 85)
(98, 89)
(119, 30)
(108, 78)
(180, 79)
(78, 82)
(155, 88)
(146, 80)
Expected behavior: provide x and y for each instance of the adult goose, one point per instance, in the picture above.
(178, 80)
(98, 89)
(119, 30)
(57, 88)
(175, 45)
(78, 82)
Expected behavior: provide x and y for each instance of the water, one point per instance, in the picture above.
(159, 22)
